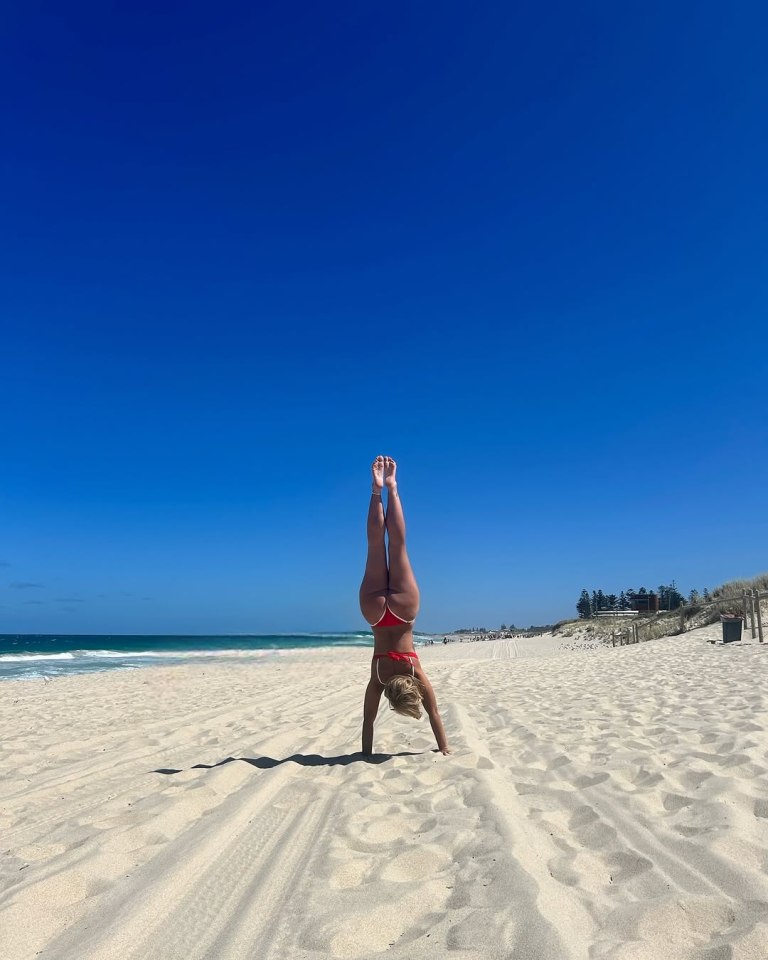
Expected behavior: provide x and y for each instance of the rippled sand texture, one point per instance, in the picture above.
(609, 804)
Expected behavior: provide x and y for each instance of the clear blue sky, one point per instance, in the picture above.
(247, 247)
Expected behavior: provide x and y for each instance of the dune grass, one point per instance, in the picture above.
(725, 599)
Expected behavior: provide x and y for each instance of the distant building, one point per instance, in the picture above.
(645, 602)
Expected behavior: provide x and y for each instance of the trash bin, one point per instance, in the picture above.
(731, 628)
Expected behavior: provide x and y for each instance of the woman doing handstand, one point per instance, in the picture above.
(389, 601)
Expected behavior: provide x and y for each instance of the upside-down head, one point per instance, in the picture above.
(405, 696)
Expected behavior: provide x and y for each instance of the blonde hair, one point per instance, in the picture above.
(404, 695)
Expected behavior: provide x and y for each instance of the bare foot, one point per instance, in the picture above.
(390, 469)
(377, 471)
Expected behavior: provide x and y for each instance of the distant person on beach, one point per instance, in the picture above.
(389, 601)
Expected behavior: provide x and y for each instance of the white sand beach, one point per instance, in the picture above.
(600, 805)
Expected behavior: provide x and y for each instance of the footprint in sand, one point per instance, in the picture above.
(389, 825)
(559, 761)
(472, 761)
(582, 817)
(525, 789)
(62, 890)
(416, 864)
(624, 866)
(35, 852)
(561, 869)
(352, 874)
(692, 779)
(673, 802)
(586, 781)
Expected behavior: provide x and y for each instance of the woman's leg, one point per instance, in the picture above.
(373, 589)
(403, 589)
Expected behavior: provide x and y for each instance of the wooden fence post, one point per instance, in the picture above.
(682, 618)
(759, 616)
(744, 604)
(754, 614)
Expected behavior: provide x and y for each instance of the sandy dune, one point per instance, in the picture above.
(607, 804)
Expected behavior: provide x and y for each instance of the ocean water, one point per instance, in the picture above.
(24, 656)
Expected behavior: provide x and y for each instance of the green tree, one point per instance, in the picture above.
(584, 606)
(676, 599)
(624, 602)
(670, 597)
(601, 600)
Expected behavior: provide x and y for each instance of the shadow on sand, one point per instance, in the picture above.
(304, 760)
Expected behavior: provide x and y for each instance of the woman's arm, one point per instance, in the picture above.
(439, 731)
(370, 709)
(435, 721)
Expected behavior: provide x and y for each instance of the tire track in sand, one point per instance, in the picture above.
(219, 889)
